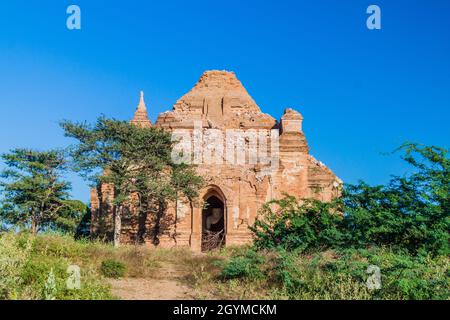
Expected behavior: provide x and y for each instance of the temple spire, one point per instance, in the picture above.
(140, 116)
(141, 105)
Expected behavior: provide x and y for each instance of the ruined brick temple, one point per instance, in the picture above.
(234, 190)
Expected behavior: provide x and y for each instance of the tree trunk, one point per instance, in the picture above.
(159, 216)
(117, 225)
(34, 226)
(176, 218)
(142, 219)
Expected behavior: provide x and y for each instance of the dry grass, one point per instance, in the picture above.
(181, 274)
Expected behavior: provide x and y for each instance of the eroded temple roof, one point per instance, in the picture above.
(219, 100)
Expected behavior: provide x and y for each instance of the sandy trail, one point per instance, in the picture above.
(167, 285)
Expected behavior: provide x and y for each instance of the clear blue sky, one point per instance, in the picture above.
(361, 92)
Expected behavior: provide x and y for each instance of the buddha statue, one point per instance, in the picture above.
(213, 218)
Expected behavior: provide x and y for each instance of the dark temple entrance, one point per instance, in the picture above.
(213, 224)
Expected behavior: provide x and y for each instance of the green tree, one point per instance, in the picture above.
(136, 161)
(73, 218)
(410, 212)
(34, 192)
(290, 224)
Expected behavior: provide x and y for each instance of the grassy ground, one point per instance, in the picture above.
(27, 263)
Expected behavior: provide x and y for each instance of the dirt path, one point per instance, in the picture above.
(168, 285)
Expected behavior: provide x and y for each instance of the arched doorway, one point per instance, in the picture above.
(213, 223)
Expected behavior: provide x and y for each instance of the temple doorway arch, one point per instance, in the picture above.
(213, 220)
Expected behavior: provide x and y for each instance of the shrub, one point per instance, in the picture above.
(27, 263)
(113, 269)
(411, 213)
(286, 271)
(13, 256)
(293, 225)
(343, 274)
(246, 264)
(403, 276)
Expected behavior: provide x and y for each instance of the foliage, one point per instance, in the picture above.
(13, 256)
(113, 269)
(107, 152)
(247, 264)
(136, 161)
(35, 267)
(73, 218)
(33, 189)
(185, 180)
(403, 276)
(301, 226)
(313, 250)
(50, 287)
(26, 262)
(343, 274)
(410, 212)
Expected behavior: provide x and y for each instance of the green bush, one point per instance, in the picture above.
(113, 269)
(411, 213)
(343, 274)
(403, 276)
(13, 257)
(246, 264)
(27, 263)
(309, 249)
(293, 225)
